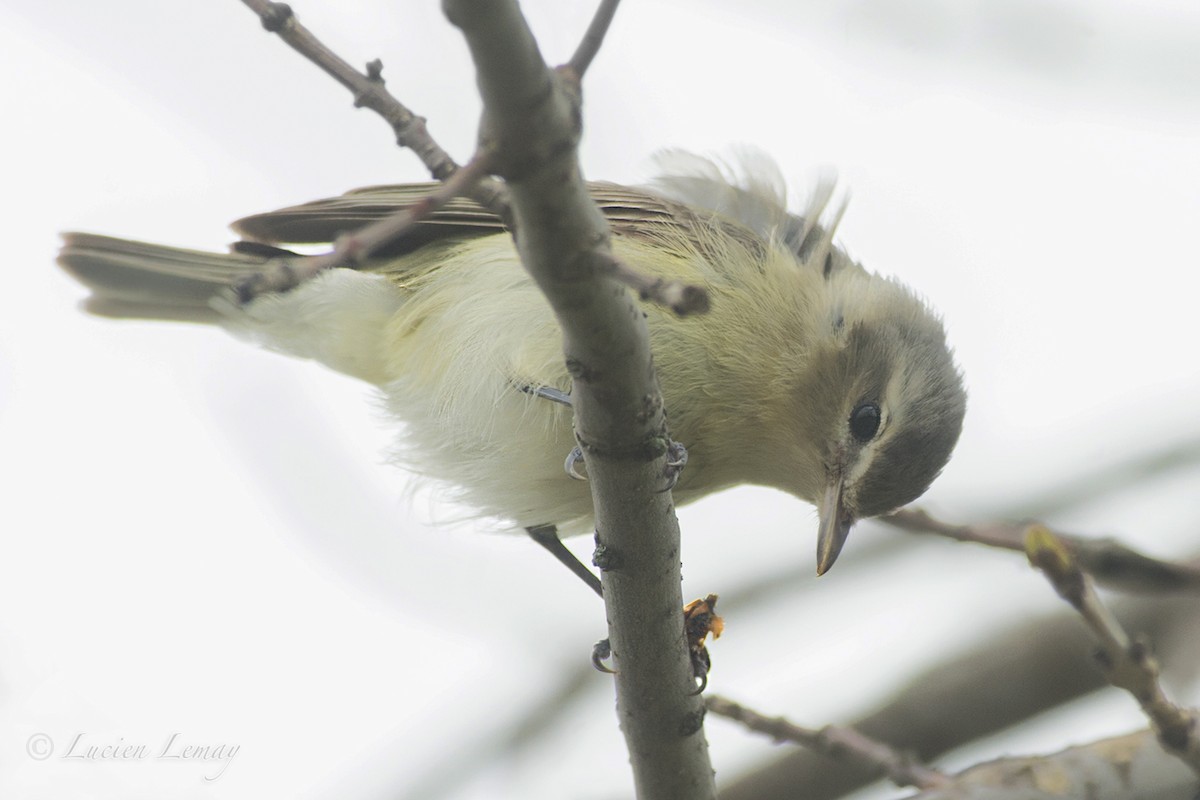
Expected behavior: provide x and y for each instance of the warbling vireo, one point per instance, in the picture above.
(809, 373)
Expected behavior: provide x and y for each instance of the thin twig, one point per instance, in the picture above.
(837, 742)
(369, 92)
(682, 298)
(592, 39)
(1111, 563)
(352, 249)
(1127, 664)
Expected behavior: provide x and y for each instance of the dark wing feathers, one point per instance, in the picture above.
(628, 212)
(136, 279)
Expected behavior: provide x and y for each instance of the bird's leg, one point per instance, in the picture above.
(549, 393)
(547, 537)
(575, 457)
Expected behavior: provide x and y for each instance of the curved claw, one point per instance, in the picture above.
(677, 458)
(573, 458)
(601, 652)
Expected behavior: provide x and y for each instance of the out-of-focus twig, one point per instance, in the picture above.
(369, 92)
(1128, 664)
(1129, 767)
(496, 741)
(837, 742)
(1111, 563)
(1084, 487)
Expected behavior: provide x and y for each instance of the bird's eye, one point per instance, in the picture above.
(864, 422)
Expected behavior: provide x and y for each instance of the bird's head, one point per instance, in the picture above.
(876, 401)
(890, 400)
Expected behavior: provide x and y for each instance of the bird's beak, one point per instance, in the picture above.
(834, 527)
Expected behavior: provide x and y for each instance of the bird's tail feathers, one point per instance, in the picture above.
(149, 281)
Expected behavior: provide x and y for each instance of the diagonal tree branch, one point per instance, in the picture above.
(1128, 664)
(836, 742)
(1107, 560)
(593, 38)
(410, 130)
(353, 248)
(369, 92)
(1012, 674)
(532, 125)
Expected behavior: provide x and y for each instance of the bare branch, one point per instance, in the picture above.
(592, 39)
(1127, 664)
(1034, 665)
(369, 92)
(352, 249)
(836, 742)
(410, 130)
(682, 298)
(532, 126)
(1111, 563)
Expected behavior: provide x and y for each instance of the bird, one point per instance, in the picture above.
(809, 373)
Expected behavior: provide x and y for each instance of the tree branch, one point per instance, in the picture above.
(411, 132)
(590, 45)
(1107, 560)
(353, 248)
(1034, 665)
(682, 298)
(532, 125)
(836, 742)
(369, 92)
(1127, 664)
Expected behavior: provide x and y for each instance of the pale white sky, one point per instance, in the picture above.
(204, 539)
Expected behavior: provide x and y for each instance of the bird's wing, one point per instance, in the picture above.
(137, 279)
(629, 212)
